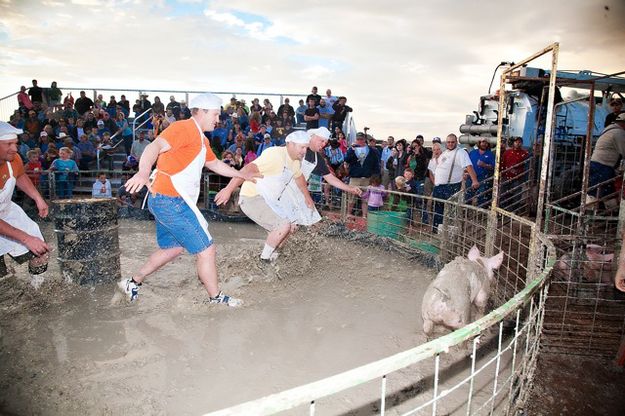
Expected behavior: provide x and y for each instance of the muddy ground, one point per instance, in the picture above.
(326, 306)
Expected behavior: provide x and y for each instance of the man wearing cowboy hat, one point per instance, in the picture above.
(20, 236)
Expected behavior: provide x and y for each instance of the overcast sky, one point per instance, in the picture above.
(406, 67)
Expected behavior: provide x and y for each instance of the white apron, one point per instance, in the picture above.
(187, 182)
(15, 216)
(285, 198)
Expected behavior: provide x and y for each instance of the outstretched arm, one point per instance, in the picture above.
(249, 170)
(147, 160)
(337, 183)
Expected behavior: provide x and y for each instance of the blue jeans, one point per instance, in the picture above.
(442, 192)
(483, 193)
(600, 173)
(64, 186)
(177, 225)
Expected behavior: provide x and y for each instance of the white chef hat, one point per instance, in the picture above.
(8, 132)
(321, 132)
(298, 136)
(206, 101)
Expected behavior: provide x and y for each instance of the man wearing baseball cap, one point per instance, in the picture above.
(20, 236)
(181, 151)
(279, 201)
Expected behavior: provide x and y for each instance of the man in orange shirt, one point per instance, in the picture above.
(20, 236)
(180, 153)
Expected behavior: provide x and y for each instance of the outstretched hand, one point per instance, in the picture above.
(222, 196)
(251, 176)
(42, 207)
(138, 181)
(355, 190)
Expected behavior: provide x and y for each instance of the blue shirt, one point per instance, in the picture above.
(324, 122)
(64, 166)
(335, 156)
(222, 134)
(261, 147)
(487, 157)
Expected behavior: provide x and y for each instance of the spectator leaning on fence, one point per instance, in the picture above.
(448, 176)
(363, 163)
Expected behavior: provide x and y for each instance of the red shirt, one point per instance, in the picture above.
(513, 157)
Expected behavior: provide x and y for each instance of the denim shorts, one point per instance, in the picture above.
(177, 225)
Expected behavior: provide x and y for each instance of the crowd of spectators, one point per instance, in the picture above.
(74, 131)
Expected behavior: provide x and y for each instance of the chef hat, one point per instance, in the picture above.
(8, 132)
(321, 132)
(298, 136)
(206, 101)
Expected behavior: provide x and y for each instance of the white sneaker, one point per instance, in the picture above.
(129, 288)
(228, 300)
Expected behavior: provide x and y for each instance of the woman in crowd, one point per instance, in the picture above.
(418, 158)
(126, 131)
(255, 121)
(250, 151)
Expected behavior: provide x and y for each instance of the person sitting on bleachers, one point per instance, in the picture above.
(23, 101)
(101, 187)
(139, 145)
(87, 152)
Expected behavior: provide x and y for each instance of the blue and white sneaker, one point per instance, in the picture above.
(225, 299)
(129, 288)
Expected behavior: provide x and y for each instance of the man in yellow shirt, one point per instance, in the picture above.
(278, 201)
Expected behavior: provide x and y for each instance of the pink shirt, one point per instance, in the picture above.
(375, 196)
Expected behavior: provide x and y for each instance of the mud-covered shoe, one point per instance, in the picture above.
(129, 288)
(225, 299)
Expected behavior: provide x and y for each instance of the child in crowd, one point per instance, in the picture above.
(412, 186)
(250, 151)
(101, 187)
(33, 167)
(375, 194)
(65, 169)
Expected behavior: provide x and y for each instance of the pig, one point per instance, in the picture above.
(462, 283)
(596, 267)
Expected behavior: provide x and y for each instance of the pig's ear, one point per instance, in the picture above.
(593, 253)
(474, 253)
(495, 261)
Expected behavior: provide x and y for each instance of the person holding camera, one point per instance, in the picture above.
(363, 162)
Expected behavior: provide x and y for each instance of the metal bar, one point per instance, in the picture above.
(547, 140)
(311, 410)
(437, 360)
(513, 364)
(383, 399)
(472, 382)
(497, 365)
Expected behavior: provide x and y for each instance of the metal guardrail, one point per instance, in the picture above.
(524, 310)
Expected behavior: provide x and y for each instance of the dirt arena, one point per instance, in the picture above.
(326, 306)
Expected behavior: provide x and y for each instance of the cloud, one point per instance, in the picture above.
(405, 66)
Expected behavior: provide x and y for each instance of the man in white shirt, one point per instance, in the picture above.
(448, 176)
